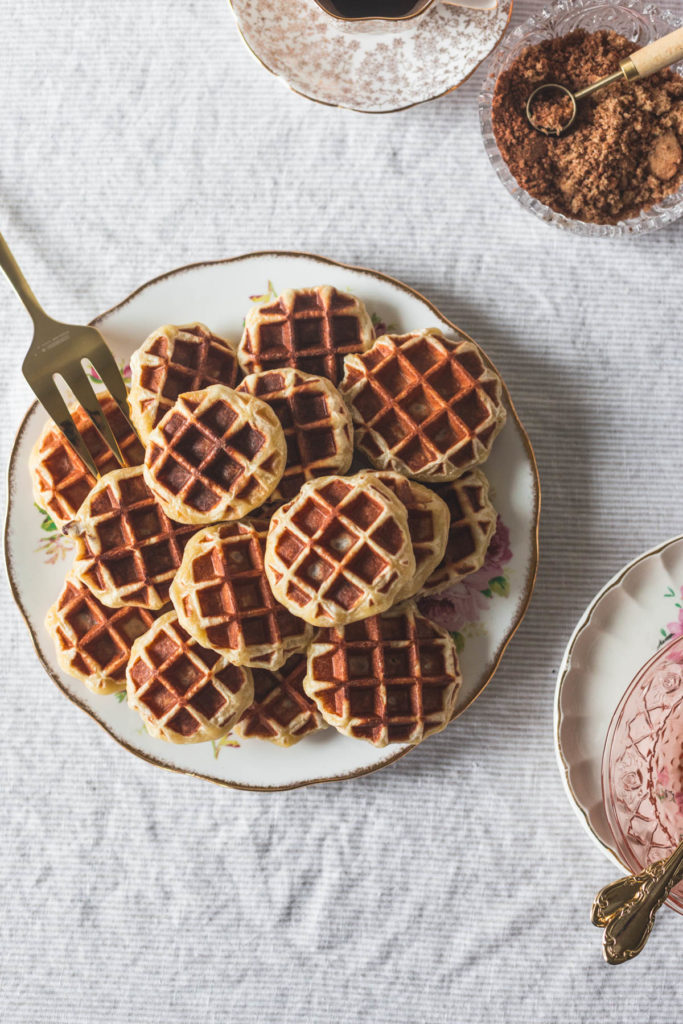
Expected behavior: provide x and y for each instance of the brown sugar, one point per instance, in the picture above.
(624, 151)
(665, 157)
(551, 111)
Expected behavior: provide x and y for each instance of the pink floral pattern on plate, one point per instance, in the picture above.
(461, 606)
(674, 628)
(55, 545)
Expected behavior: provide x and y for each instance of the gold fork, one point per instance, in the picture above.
(59, 350)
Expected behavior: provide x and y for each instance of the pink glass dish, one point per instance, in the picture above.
(640, 801)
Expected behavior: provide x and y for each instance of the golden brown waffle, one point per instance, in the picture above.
(170, 362)
(316, 424)
(217, 454)
(224, 601)
(473, 524)
(393, 678)
(182, 692)
(340, 551)
(428, 522)
(311, 329)
(422, 405)
(127, 549)
(93, 642)
(281, 712)
(61, 481)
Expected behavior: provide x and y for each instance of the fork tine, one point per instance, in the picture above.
(48, 395)
(105, 364)
(76, 378)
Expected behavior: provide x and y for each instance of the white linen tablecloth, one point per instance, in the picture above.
(454, 886)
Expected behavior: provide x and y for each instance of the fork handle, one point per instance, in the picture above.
(19, 283)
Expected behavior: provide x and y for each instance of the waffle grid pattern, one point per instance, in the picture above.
(311, 329)
(223, 598)
(428, 524)
(472, 526)
(315, 421)
(392, 678)
(184, 693)
(127, 549)
(94, 642)
(339, 551)
(281, 712)
(61, 480)
(170, 362)
(217, 454)
(422, 405)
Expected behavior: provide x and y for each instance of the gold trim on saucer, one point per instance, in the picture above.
(359, 110)
(520, 612)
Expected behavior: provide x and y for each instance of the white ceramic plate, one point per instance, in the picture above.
(345, 65)
(484, 611)
(619, 631)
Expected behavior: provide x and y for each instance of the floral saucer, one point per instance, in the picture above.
(482, 612)
(634, 614)
(340, 64)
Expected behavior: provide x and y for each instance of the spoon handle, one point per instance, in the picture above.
(626, 908)
(655, 56)
(613, 897)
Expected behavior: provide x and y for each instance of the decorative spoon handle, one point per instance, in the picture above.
(660, 53)
(613, 897)
(655, 56)
(626, 908)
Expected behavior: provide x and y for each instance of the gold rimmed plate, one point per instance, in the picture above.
(483, 612)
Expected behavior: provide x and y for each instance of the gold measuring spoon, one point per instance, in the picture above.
(641, 64)
(626, 908)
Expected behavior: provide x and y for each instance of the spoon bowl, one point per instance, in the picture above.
(549, 93)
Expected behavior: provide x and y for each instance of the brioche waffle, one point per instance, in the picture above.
(422, 405)
(311, 329)
(473, 523)
(170, 362)
(316, 424)
(393, 678)
(428, 522)
(340, 551)
(217, 454)
(182, 692)
(127, 549)
(224, 601)
(61, 480)
(281, 712)
(93, 642)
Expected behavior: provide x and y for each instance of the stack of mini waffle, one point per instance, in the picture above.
(236, 575)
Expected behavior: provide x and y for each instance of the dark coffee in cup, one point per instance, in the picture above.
(373, 8)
